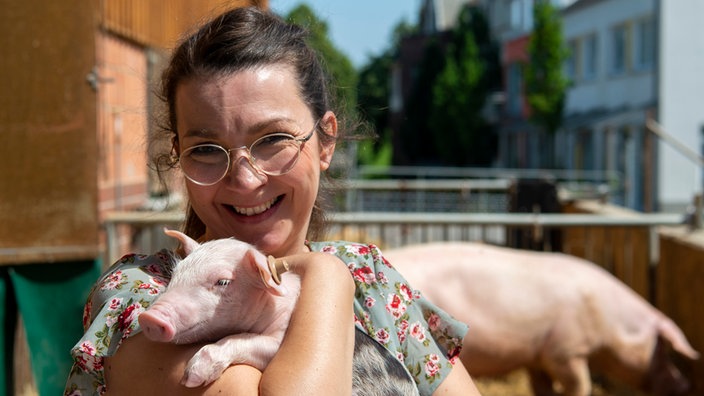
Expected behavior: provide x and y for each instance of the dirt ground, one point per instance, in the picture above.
(517, 384)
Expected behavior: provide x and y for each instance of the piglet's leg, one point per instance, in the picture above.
(210, 361)
(573, 374)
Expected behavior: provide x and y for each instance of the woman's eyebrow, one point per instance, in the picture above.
(273, 123)
(200, 133)
(252, 129)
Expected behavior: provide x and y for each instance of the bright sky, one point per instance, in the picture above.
(358, 28)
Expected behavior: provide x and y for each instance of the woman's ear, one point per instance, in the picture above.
(328, 123)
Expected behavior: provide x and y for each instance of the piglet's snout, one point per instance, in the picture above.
(156, 326)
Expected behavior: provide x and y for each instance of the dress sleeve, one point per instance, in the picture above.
(110, 315)
(421, 335)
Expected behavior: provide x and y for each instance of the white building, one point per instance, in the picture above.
(512, 18)
(632, 61)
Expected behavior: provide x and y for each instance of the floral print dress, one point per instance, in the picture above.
(423, 337)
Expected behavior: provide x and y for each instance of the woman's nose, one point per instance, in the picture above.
(242, 173)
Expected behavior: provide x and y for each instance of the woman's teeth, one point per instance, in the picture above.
(255, 210)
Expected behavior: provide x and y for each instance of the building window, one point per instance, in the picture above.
(521, 14)
(516, 14)
(590, 57)
(528, 12)
(514, 82)
(619, 37)
(644, 44)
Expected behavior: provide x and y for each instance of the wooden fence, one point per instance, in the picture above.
(628, 252)
(662, 261)
(679, 290)
(666, 267)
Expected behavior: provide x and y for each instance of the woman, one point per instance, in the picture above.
(252, 129)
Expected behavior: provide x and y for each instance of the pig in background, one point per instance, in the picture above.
(223, 292)
(556, 315)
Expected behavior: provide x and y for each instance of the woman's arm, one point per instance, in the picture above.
(144, 367)
(318, 347)
(458, 382)
(315, 356)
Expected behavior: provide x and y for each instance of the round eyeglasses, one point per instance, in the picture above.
(274, 155)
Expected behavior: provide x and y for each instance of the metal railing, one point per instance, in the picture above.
(396, 229)
(471, 195)
(424, 195)
(576, 183)
(430, 172)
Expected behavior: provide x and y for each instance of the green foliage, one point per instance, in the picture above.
(401, 30)
(338, 65)
(444, 122)
(375, 153)
(546, 84)
(461, 135)
(415, 135)
(472, 20)
(455, 116)
(373, 93)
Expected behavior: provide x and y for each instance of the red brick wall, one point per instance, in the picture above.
(122, 124)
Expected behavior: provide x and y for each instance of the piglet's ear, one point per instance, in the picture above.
(187, 242)
(258, 261)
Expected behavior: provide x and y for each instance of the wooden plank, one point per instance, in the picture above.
(49, 150)
(623, 251)
(158, 23)
(679, 293)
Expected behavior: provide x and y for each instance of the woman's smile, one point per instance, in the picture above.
(256, 210)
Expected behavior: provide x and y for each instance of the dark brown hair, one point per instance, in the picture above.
(236, 40)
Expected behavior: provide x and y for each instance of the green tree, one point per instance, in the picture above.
(453, 118)
(338, 65)
(545, 82)
(414, 145)
(343, 80)
(461, 135)
(373, 93)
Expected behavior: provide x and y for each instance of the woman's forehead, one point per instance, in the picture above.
(251, 94)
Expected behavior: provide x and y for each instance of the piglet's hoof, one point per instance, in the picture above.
(204, 368)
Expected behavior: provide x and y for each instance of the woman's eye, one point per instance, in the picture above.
(275, 139)
(206, 154)
(206, 150)
(223, 282)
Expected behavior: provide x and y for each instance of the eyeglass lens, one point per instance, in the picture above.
(207, 164)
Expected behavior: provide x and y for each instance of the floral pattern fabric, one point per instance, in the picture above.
(423, 337)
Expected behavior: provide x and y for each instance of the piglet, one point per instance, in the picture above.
(222, 292)
(556, 315)
(225, 292)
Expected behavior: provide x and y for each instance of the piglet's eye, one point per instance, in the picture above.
(223, 282)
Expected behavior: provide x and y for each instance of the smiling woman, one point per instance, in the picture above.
(262, 101)
(253, 128)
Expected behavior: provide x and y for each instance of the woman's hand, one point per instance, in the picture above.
(315, 356)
